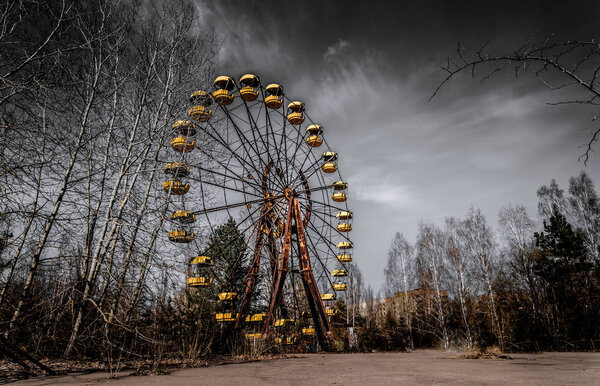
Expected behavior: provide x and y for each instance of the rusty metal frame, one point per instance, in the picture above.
(294, 225)
(310, 285)
(318, 314)
(281, 270)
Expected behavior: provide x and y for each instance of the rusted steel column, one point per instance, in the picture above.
(312, 294)
(272, 255)
(282, 269)
(252, 274)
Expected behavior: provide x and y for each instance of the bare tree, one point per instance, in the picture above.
(400, 276)
(370, 307)
(353, 300)
(585, 210)
(84, 123)
(164, 64)
(549, 197)
(558, 64)
(96, 39)
(461, 272)
(32, 40)
(517, 229)
(479, 242)
(431, 250)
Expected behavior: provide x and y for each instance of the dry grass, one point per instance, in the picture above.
(493, 352)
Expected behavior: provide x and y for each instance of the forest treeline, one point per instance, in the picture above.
(530, 285)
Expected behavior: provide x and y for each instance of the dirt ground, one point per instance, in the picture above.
(426, 367)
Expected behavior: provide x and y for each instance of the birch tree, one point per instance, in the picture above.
(353, 297)
(460, 272)
(517, 229)
(81, 163)
(430, 251)
(164, 65)
(400, 277)
(585, 209)
(96, 39)
(479, 244)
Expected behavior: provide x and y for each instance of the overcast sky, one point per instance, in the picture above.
(366, 70)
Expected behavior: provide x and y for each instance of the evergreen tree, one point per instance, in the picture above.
(227, 247)
(563, 249)
(563, 265)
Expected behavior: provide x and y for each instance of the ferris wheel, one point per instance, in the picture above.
(250, 157)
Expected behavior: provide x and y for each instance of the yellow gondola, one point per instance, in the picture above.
(295, 113)
(183, 216)
(329, 157)
(340, 286)
(314, 141)
(200, 111)
(202, 261)
(176, 187)
(223, 90)
(284, 322)
(183, 144)
(329, 167)
(339, 197)
(199, 281)
(249, 90)
(185, 128)
(314, 132)
(181, 236)
(226, 317)
(344, 227)
(327, 296)
(331, 311)
(274, 98)
(286, 340)
(344, 257)
(252, 336)
(308, 331)
(227, 296)
(177, 169)
(256, 318)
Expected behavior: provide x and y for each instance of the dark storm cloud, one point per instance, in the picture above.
(366, 71)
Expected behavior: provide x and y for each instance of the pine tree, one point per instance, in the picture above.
(227, 247)
(563, 249)
(563, 265)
